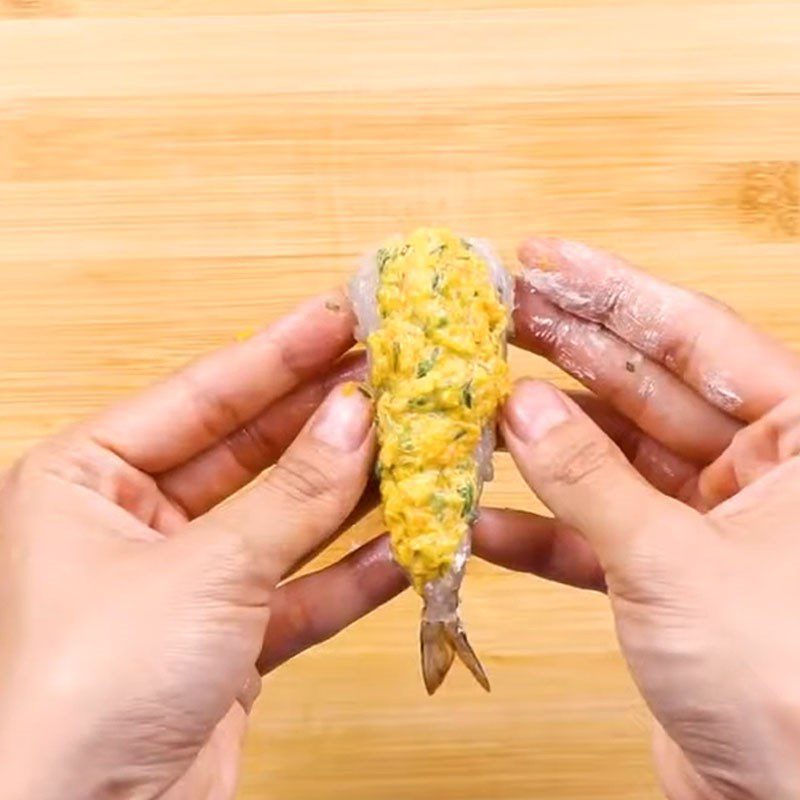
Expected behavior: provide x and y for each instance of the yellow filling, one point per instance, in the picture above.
(439, 372)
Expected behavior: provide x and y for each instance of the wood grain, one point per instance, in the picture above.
(174, 172)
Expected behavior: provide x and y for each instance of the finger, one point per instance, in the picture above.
(542, 546)
(644, 391)
(735, 367)
(657, 464)
(308, 494)
(367, 503)
(195, 408)
(767, 507)
(210, 477)
(755, 451)
(580, 474)
(312, 609)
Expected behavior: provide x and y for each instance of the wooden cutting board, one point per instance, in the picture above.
(174, 172)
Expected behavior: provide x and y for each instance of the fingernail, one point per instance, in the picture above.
(534, 409)
(538, 253)
(353, 372)
(344, 419)
(576, 252)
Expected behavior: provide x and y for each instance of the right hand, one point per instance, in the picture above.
(699, 558)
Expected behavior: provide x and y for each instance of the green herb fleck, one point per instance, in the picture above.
(438, 250)
(460, 435)
(366, 390)
(382, 257)
(438, 503)
(438, 280)
(466, 245)
(426, 365)
(395, 355)
(467, 395)
(467, 493)
(418, 402)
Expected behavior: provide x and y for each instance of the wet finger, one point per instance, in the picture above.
(734, 366)
(642, 390)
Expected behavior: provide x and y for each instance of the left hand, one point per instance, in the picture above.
(137, 613)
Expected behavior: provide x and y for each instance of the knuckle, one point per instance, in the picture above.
(85, 463)
(15, 479)
(678, 351)
(238, 551)
(613, 300)
(707, 301)
(744, 439)
(301, 622)
(215, 413)
(757, 446)
(570, 340)
(295, 357)
(785, 425)
(578, 459)
(28, 478)
(302, 478)
(635, 400)
(789, 443)
(645, 570)
(76, 462)
(253, 447)
(229, 552)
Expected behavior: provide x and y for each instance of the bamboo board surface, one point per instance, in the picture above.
(174, 172)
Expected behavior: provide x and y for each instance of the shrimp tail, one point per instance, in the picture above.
(440, 642)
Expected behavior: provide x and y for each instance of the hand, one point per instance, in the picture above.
(137, 613)
(688, 372)
(701, 601)
(697, 587)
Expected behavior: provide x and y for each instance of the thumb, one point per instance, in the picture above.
(309, 493)
(580, 474)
